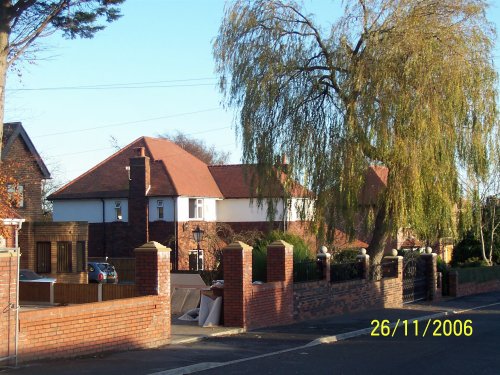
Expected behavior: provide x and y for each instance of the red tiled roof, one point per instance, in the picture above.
(235, 181)
(174, 172)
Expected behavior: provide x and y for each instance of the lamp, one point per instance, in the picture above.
(198, 237)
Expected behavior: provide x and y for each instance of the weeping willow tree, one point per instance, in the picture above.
(404, 84)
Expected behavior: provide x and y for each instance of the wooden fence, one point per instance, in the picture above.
(56, 293)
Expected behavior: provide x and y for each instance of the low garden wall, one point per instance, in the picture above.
(322, 298)
(67, 331)
(467, 281)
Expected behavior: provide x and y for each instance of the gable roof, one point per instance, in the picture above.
(234, 181)
(11, 130)
(174, 172)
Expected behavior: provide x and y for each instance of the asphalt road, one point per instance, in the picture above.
(295, 349)
(404, 353)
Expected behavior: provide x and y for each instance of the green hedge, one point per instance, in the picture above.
(478, 274)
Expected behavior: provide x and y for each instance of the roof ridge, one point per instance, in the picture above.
(95, 167)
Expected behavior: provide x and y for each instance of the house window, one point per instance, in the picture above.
(64, 257)
(196, 208)
(16, 195)
(159, 209)
(43, 257)
(80, 256)
(193, 266)
(118, 211)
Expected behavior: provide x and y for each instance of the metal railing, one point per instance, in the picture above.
(343, 272)
(309, 270)
(386, 269)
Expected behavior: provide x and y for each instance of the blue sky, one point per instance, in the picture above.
(161, 43)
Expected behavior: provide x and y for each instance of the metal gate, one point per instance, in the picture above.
(415, 284)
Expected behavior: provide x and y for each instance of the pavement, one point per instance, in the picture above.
(195, 349)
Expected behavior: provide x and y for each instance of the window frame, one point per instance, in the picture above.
(80, 256)
(198, 206)
(118, 211)
(160, 211)
(17, 189)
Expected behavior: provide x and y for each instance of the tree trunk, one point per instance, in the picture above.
(4, 53)
(380, 235)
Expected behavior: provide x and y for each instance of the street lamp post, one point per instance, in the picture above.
(198, 236)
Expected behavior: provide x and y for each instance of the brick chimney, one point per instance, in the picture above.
(138, 209)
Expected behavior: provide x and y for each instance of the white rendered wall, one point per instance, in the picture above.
(296, 207)
(88, 210)
(168, 208)
(241, 210)
(209, 209)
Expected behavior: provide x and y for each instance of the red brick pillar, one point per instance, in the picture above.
(453, 283)
(431, 274)
(237, 259)
(152, 269)
(280, 262)
(8, 301)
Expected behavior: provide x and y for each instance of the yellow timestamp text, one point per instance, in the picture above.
(418, 328)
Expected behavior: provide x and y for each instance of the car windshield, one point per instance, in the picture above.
(102, 266)
(29, 275)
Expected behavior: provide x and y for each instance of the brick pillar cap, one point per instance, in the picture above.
(152, 246)
(280, 243)
(238, 245)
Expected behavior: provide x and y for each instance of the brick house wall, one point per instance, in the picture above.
(21, 165)
(54, 232)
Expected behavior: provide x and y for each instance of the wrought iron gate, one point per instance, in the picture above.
(414, 278)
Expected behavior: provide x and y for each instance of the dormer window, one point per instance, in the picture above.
(118, 211)
(196, 208)
(159, 209)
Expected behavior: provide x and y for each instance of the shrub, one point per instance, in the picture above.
(345, 256)
(301, 251)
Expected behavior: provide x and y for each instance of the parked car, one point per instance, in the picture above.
(28, 275)
(102, 273)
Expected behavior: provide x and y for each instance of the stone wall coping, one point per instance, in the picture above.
(280, 243)
(273, 285)
(238, 245)
(9, 253)
(152, 246)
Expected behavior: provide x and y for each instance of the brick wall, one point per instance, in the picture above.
(142, 322)
(322, 298)
(458, 289)
(8, 278)
(254, 306)
(75, 330)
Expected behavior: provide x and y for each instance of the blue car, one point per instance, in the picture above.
(102, 273)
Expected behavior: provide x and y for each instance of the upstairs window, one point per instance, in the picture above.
(16, 195)
(196, 208)
(159, 209)
(118, 211)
